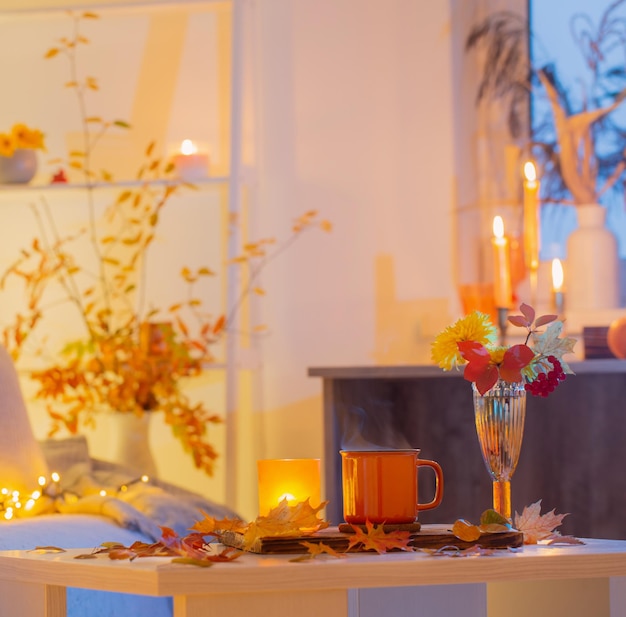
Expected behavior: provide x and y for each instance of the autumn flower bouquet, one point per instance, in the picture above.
(538, 362)
(21, 137)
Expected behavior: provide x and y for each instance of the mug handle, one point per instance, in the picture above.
(438, 484)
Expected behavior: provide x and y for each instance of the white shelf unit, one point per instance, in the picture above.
(234, 181)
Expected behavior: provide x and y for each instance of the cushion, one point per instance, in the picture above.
(22, 460)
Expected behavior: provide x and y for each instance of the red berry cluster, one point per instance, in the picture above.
(547, 382)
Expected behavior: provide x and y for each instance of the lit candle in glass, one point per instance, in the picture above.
(503, 293)
(557, 285)
(293, 479)
(190, 164)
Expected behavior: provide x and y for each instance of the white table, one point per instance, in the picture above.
(567, 581)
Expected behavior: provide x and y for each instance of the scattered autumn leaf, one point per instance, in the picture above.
(315, 549)
(464, 530)
(47, 549)
(374, 538)
(285, 521)
(536, 526)
(454, 551)
(493, 522)
(210, 526)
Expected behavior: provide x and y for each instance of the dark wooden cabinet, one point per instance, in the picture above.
(573, 455)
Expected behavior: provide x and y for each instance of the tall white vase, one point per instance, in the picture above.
(592, 266)
(130, 442)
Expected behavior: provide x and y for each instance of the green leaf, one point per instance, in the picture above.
(491, 517)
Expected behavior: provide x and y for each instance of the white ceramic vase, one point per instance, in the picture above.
(19, 168)
(130, 442)
(592, 266)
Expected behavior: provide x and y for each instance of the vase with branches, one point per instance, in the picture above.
(133, 358)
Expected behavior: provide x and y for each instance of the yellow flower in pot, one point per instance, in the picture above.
(18, 157)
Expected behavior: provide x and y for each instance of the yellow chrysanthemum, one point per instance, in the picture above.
(473, 327)
(25, 137)
(497, 354)
(6, 145)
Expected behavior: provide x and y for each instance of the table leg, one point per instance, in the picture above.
(617, 587)
(558, 598)
(32, 600)
(332, 603)
(425, 601)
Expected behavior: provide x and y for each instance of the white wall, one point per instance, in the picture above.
(355, 121)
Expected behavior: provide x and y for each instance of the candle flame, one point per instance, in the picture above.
(530, 173)
(188, 147)
(498, 227)
(557, 275)
(288, 496)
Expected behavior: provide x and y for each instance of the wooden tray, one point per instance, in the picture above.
(429, 536)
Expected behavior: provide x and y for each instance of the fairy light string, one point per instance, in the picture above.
(16, 504)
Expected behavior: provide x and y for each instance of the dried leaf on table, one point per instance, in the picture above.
(210, 526)
(47, 549)
(374, 538)
(316, 550)
(455, 551)
(564, 540)
(493, 522)
(464, 530)
(286, 521)
(536, 526)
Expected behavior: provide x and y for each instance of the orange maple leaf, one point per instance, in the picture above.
(286, 521)
(315, 549)
(210, 526)
(374, 538)
(536, 526)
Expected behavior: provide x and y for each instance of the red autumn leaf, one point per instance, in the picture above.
(474, 353)
(478, 368)
(545, 319)
(374, 538)
(485, 380)
(528, 312)
(515, 359)
(519, 320)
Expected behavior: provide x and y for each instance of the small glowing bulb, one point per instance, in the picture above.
(55, 476)
(41, 480)
(5, 491)
(8, 515)
(103, 493)
(15, 495)
(36, 495)
(29, 504)
(145, 478)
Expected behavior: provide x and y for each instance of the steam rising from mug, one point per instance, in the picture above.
(372, 429)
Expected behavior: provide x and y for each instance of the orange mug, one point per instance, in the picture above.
(380, 486)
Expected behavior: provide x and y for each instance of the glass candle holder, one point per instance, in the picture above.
(293, 479)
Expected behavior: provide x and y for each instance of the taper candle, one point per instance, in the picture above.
(531, 217)
(502, 290)
(557, 286)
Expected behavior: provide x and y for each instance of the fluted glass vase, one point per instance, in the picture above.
(499, 416)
